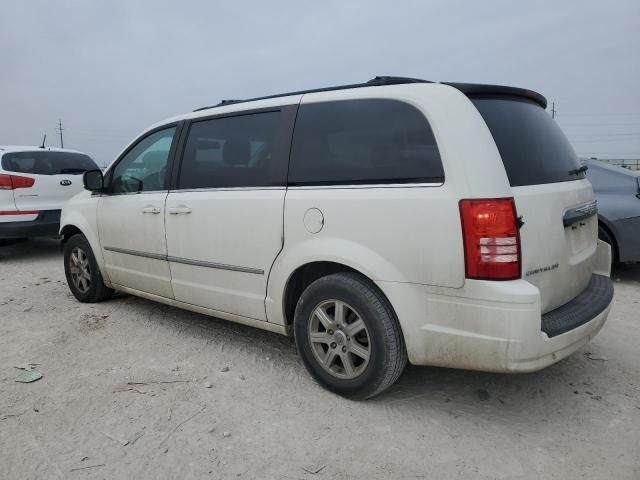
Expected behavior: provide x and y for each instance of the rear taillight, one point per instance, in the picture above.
(491, 239)
(10, 182)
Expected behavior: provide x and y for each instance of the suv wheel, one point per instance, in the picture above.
(82, 272)
(348, 336)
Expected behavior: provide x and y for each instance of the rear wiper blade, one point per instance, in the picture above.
(72, 170)
(577, 171)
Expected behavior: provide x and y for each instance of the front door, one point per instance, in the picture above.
(225, 219)
(131, 216)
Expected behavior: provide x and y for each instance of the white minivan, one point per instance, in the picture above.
(394, 220)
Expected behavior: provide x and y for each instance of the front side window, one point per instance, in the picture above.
(235, 151)
(144, 167)
(46, 162)
(363, 141)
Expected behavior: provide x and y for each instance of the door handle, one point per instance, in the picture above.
(180, 209)
(151, 209)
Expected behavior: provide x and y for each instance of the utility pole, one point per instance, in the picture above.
(60, 131)
(553, 109)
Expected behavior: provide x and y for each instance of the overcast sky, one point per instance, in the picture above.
(109, 69)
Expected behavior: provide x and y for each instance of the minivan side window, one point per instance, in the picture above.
(235, 151)
(144, 167)
(363, 141)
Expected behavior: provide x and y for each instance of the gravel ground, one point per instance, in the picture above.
(196, 397)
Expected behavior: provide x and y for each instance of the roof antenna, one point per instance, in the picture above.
(43, 140)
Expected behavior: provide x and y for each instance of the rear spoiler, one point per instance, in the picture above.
(476, 89)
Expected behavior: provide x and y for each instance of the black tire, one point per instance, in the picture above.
(387, 353)
(96, 290)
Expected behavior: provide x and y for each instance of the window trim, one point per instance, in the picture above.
(281, 151)
(371, 183)
(108, 176)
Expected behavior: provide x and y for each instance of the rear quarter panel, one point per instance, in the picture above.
(398, 233)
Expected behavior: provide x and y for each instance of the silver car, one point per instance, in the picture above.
(618, 192)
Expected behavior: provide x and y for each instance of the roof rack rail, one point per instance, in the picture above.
(374, 82)
(228, 102)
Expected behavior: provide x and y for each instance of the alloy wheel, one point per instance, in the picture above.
(339, 339)
(80, 269)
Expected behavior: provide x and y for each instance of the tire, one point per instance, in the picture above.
(357, 360)
(82, 272)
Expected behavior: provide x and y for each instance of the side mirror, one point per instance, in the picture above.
(93, 180)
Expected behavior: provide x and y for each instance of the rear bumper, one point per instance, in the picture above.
(495, 326)
(590, 303)
(46, 224)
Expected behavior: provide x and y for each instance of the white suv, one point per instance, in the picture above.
(446, 224)
(34, 184)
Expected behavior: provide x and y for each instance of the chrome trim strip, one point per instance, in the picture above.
(579, 212)
(226, 189)
(219, 266)
(155, 256)
(186, 261)
(365, 186)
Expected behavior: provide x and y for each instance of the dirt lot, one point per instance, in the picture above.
(219, 400)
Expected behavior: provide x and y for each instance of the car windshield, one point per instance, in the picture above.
(47, 163)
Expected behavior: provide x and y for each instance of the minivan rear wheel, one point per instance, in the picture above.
(348, 336)
(82, 272)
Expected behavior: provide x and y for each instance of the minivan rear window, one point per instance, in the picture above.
(47, 163)
(532, 146)
(363, 141)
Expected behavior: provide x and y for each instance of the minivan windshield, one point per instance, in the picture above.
(532, 146)
(47, 163)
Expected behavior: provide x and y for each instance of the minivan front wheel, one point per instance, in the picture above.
(82, 272)
(348, 336)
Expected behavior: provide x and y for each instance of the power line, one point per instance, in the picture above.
(598, 135)
(597, 124)
(60, 131)
(627, 114)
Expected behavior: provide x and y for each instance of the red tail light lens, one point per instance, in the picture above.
(11, 182)
(491, 239)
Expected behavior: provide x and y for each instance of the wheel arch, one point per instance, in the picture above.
(71, 228)
(305, 274)
(69, 231)
(605, 225)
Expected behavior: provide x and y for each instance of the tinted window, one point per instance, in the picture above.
(144, 167)
(533, 148)
(363, 141)
(230, 152)
(47, 163)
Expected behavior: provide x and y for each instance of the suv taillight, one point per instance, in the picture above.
(11, 182)
(491, 239)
